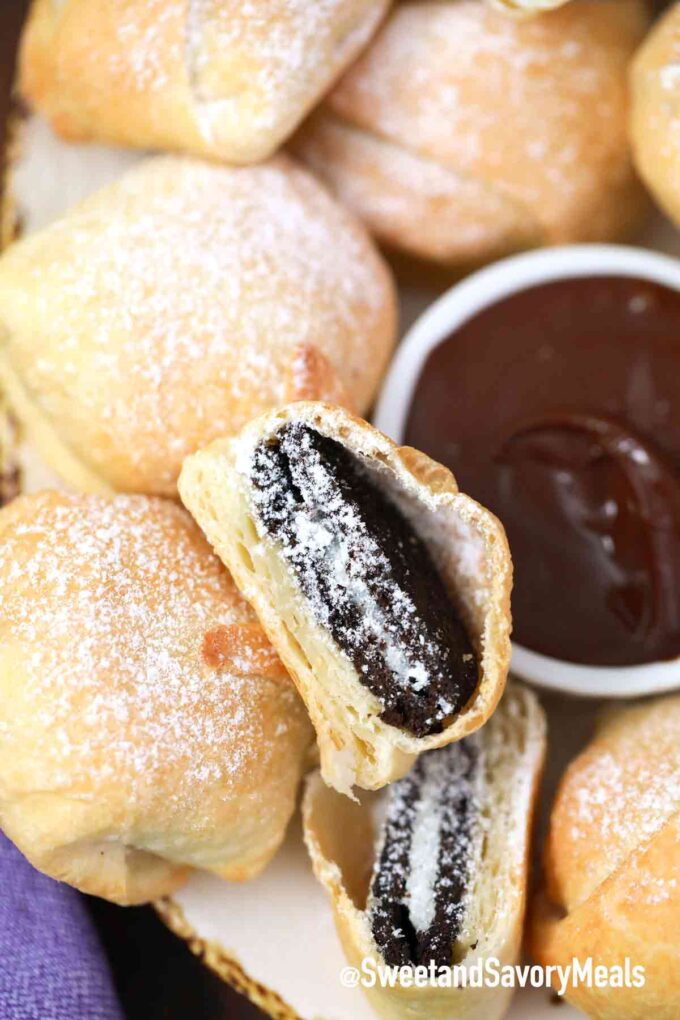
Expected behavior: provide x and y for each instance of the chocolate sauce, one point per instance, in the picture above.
(437, 797)
(559, 409)
(368, 578)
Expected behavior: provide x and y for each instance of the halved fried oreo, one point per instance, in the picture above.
(433, 871)
(367, 575)
(384, 589)
(426, 858)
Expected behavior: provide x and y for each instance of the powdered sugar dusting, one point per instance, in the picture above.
(617, 799)
(143, 55)
(270, 59)
(460, 211)
(653, 890)
(186, 277)
(452, 842)
(424, 880)
(278, 47)
(602, 792)
(670, 76)
(445, 81)
(106, 604)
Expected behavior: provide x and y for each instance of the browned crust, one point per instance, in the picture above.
(614, 924)
(310, 376)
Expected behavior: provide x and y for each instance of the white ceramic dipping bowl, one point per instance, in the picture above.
(443, 318)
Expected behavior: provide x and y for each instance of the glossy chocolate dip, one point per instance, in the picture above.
(559, 409)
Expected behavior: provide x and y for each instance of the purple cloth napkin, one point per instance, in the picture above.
(52, 966)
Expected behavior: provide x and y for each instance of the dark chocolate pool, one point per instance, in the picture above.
(417, 900)
(559, 409)
(368, 578)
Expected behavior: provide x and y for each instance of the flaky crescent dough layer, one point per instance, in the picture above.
(340, 838)
(467, 542)
(216, 78)
(612, 864)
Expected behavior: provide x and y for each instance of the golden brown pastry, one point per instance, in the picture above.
(612, 865)
(462, 134)
(385, 590)
(445, 881)
(216, 78)
(175, 305)
(146, 725)
(656, 111)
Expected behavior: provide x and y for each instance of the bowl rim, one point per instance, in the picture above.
(456, 306)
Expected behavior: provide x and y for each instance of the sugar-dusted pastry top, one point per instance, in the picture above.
(615, 797)
(462, 133)
(479, 113)
(138, 686)
(88, 592)
(612, 865)
(177, 303)
(218, 78)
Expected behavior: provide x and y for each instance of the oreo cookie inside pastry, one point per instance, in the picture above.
(384, 590)
(367, 576)
(433, 871)
(424, 868)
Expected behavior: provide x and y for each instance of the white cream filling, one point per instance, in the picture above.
(423, 872)
(424, 859)
(309, 534)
